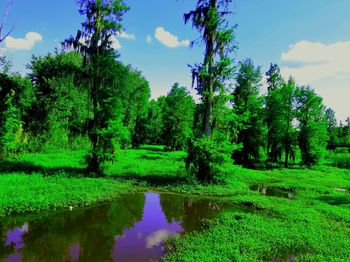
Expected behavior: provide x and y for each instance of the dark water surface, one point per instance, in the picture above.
(272, 191)
(132, 228)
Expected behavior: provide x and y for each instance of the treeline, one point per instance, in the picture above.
(50, 109)
(85, 98)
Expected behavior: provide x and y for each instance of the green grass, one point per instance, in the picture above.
(314, 226)
(22, 193)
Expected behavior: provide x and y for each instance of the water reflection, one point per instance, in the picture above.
(272, 191)
(133, 228)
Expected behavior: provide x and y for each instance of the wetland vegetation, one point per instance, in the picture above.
(92, 169)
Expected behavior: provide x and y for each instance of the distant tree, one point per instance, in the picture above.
(178, 118)
(94, 41)
(153, 124)
(312, 125)
(135, 96)
(210, 149)
(248, 102)
(331, 127)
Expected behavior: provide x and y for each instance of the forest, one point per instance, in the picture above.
(80, 129)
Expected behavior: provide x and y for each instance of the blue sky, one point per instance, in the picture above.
(308, 39)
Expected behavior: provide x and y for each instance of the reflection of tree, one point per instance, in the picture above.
(5, 251)
(94, 229)
(189, 211)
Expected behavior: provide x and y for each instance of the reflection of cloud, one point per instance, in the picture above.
(24, 228)
(157, 237)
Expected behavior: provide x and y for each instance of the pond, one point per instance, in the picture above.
(132, 228)
(272, 191)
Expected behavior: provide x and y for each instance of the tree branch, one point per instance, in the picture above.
(7, 10)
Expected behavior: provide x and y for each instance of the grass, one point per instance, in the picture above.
(23, 193)
(313, 226)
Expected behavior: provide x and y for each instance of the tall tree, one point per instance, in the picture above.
(248, 102)
(287, 115)
(312, 125)
(94, 41)
(209, 19)
(274, 119)
(178, 118)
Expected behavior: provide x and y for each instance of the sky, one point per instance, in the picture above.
(310, 40)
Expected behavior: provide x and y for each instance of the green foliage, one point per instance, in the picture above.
(178, 118)
(208, 158)
(59, 109)
(16, 93)
(134, 95)
(152, 125)
(211, 78)
(10, 128)
(248, 103)
(99, 75)
(312, 124)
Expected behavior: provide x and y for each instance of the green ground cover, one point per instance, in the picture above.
(312, 226)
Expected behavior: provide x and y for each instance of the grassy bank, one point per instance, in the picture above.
(23, 193)
(312, 225)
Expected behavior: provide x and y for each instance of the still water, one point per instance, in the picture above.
(132, 228)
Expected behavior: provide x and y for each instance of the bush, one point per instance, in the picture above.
(208, 157)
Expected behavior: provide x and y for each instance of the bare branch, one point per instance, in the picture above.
(7, 10)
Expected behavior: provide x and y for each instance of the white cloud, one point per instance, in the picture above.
(26, 43)
(149, 39)
(325, 67)
(126, 36)
(115, 43)
(156, 238)
(168, 39)
(312, 61)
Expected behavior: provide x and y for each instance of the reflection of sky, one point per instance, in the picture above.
(74, 252)
(144, 240)
(15, 237)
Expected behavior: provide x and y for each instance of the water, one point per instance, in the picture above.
(133, 228)
(272, 191)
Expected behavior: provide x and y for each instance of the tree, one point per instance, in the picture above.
(287, 112)
(59, 111)
(246, 101)
(274, 119)
(152, 125)
(331, 127)
(17, 95)
(134, 95)
(210, 149)
(94, 41)
(178, 118)
(312, 125)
